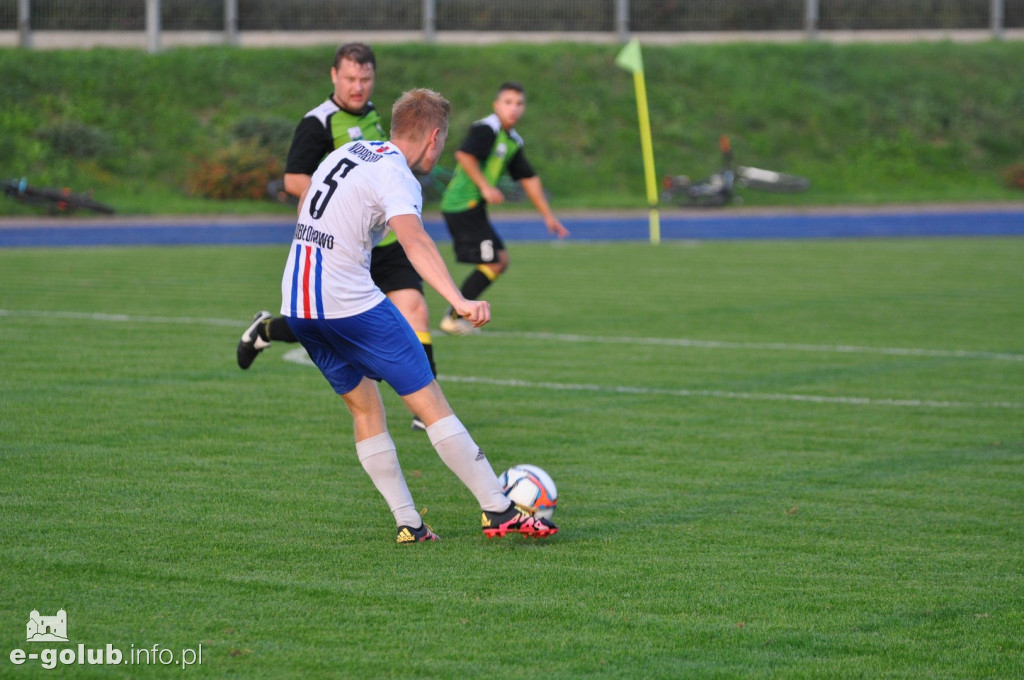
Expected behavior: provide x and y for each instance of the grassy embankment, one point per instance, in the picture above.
(869, 124)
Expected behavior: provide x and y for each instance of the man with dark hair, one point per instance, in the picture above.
(491, 147)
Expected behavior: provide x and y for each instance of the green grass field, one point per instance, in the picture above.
(785, 459)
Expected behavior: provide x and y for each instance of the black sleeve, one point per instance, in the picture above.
(519, 167)
(310, 143)
(479, 141)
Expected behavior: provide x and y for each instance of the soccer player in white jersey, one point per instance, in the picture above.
(356, 336)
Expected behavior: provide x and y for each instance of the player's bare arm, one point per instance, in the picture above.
(423, 253)
(535, 192)
(297, 184)
(471, 166)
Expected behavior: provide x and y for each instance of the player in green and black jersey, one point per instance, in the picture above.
(491, 148)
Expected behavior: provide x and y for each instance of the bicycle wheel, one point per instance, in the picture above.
(66, 201)
(769, 180)
(713, 192)
(86, 203)
(673, 189)
(715, 200)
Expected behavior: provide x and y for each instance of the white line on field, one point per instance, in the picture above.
(299, 356)
(570, 338)
(774, 346)
(725, 394)
(123, 318)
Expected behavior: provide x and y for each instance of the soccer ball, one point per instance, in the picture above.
(531, 487)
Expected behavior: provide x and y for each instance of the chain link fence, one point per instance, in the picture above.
(469, 20)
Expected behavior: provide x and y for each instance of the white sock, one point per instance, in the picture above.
(463, 457)
(380, 460)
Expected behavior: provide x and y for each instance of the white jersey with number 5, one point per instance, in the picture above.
(354, 192)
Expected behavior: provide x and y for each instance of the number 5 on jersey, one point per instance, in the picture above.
(316, 206)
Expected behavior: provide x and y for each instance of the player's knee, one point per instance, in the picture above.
(418, 315)
(495, 269)
(413, 306)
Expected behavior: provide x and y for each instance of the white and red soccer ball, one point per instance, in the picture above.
(530, 487)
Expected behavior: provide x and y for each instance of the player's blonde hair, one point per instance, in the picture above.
(419, 112)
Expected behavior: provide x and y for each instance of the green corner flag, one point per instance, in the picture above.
(630, 59)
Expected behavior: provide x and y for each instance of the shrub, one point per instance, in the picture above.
(73, 139)
(1014, 176)
(241, 170)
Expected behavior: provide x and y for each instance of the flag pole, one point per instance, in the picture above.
(631, 60)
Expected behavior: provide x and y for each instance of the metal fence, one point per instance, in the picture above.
(233, 21)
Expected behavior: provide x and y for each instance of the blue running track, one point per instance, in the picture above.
(1005, 221)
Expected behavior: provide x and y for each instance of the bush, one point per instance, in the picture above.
(77, 140)
(245, 168)
(1014, 176)
(242, 170)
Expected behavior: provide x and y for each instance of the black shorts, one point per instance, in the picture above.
(473, 236)
(391, 270)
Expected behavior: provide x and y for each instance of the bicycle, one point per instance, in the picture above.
(56, 200)
(719, 189)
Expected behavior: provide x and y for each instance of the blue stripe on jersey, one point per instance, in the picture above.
(295, 280)
(319, 283)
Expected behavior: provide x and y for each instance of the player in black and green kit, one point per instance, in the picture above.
(491, 148)
(346, 116)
